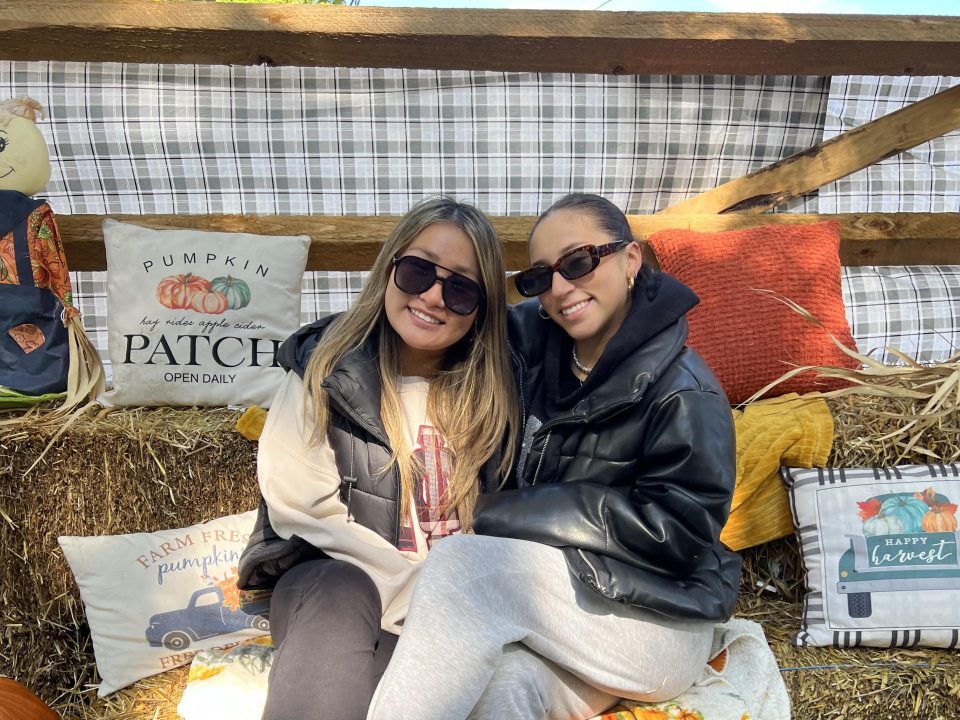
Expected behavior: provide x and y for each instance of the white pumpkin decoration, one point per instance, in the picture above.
(883, 525)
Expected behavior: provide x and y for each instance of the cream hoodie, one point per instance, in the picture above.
(301, 486)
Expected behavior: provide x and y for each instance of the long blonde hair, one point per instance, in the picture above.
(471, 398)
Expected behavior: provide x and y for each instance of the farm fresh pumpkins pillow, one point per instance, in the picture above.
(153, 600)
(196, 317)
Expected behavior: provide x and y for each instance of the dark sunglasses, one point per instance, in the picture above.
(572, 265)
(415, 275)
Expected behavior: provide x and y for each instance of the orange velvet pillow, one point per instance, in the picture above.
(750, 339)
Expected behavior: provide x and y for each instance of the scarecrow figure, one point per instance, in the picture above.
(44, 352)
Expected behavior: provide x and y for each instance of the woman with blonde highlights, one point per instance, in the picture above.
(393, 418)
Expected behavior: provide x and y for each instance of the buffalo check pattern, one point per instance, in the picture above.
(925, 178)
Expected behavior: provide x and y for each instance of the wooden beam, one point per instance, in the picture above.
(498, 40)
(832, 159)
(338, 243)
(352, 243)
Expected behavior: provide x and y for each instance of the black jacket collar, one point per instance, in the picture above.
(652, 335)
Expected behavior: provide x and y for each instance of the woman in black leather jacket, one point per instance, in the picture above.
(599, 573)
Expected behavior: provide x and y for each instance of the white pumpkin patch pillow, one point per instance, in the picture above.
(197, 317)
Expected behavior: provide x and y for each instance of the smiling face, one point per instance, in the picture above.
(24, 161)
(590, 308)
(426, 327)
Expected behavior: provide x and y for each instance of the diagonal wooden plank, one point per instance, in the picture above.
(804, 172)
(499, 40)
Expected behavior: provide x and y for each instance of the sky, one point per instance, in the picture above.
(866, 7)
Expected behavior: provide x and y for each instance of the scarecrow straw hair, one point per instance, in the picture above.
(25, 107)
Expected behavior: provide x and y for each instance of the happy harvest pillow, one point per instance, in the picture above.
(196, 317)
(154, 599)
(880, 550)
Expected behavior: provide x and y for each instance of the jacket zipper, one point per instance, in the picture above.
(523, 401)
(396, 524)
(351, 481)
(596, 576)
(543, 454)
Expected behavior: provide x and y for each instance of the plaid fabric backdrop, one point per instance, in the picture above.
(915, 310)
(922, 179)
(136, 138)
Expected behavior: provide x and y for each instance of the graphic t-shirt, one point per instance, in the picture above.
(301, 485)
(426, 521)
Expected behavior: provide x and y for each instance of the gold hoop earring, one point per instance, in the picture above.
(630, 283)
(543, 313)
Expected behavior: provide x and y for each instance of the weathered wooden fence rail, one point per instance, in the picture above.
(501, 40)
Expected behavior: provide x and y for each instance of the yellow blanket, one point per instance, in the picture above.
(790, 430)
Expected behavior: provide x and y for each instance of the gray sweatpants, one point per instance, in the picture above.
(498, 628)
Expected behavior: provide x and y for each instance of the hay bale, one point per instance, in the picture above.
(126, 471)
(846, 684)
(146, 470)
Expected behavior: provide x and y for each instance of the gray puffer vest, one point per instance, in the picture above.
(360, 447)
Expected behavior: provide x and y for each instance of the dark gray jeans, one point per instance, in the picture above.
(330, 650)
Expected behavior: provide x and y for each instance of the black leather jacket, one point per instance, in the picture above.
(632, 472)
(360, 447)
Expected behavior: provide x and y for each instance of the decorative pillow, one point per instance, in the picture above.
(915, 310)
(228, 683)
(880, 550)
(750, 339)
(154, 599)
(195, 317)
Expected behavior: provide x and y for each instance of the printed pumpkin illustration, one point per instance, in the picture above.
(28, 336)
(895, 515)
(941, 515)
(649, 714)
(228, 586)
(668, 711)
(236, 291)
(211, 303)
(908, 510)
(904, 514)
(176, 291)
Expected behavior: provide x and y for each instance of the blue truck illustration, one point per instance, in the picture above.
(207, 615)
(897, 552)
